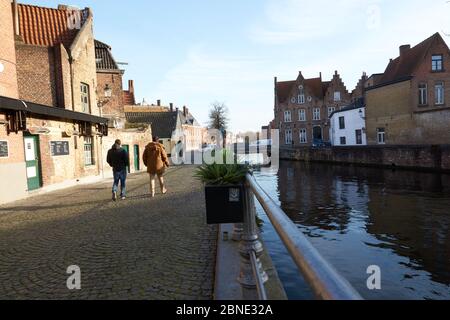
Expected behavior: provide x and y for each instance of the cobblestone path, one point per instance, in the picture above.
(140, 248)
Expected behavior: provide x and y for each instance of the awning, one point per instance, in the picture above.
(53, 112)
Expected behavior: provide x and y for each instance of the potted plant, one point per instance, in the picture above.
(224, 192)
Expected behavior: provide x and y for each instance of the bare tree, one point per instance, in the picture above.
(218, 116)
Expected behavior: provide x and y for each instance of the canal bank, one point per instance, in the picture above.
(424, 158)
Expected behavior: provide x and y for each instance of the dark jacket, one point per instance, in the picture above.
(118, 158)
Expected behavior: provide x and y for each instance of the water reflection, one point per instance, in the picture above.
(358, 217)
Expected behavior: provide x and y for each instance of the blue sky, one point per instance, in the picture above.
(195, 52)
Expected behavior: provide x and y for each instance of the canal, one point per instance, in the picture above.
(357, 217)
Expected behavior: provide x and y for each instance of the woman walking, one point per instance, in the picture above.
(156, 161)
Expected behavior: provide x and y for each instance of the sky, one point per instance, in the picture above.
(197, 52)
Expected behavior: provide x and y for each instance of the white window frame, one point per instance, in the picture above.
(302, 115)
(288, 137)
(88, 151)
(85, 98)
(439, 93)
(316, 114)
(301, 95)
(381, 136)
(287, 116)
(423, 94)
(331, 110)
(337, 96)
(303, 133)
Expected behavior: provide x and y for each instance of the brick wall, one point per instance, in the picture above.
(8, 78)
(36, 74)
(435, 158)
(84, 67)
(114, 105)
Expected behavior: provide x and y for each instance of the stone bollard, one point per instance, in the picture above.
(250, 242)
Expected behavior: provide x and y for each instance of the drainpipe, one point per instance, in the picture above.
(71, 81)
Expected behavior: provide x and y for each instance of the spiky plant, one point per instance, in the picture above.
(221, 174)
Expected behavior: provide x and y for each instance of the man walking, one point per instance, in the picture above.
(156, 161)
(118, 159)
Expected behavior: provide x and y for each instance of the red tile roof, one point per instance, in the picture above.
(405, 65)
(46, 26)
(316, 86)
(284, 90)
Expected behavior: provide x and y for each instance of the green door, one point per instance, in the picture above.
(127, 149)
(136, 158)
(32, 162)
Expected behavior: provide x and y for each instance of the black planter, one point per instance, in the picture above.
(224, 204)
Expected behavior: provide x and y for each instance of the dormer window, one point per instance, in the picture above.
(437, 62)
(301, 95)
(337, 96)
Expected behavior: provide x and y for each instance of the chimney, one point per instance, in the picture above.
(320, 75)
(185, 111)
(158, 103)
(171, 107)
(16, 19)
(404, 48)
(131, 86)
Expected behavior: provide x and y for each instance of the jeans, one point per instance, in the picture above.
(120, 176)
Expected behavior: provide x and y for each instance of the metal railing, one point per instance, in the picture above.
(325, 281)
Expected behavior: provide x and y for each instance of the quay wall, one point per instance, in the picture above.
(427, 158)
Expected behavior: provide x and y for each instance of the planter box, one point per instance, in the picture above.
(224, 204)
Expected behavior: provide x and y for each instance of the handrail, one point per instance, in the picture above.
(324, 280)
(262, 294)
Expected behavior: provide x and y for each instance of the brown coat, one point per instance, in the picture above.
(155, 158)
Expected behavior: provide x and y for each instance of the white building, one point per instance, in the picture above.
(348, 127)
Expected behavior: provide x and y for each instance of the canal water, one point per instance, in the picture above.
(358, 217)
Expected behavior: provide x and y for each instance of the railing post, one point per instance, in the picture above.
(238, 229)
(250, 243)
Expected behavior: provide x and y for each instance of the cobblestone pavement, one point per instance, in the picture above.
(140, 248)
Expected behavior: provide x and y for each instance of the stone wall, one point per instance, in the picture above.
(435, 158)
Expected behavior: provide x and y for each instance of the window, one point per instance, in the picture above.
(302, 115)
(288, 137)
(437, 62)
(341, 123)
(287, 116)
(423, 94)
(439, 93)
(85, 105)
(301, 95)
(358, 134)
(316, 115)
(381, 135)
(331, 110)
(88, 152)
(343, 141)
(303, 136)
(337, 96)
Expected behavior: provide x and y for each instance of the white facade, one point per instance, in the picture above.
(348, 127)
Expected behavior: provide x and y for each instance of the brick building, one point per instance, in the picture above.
(111, 98)
(173, 126)
(50, 130)
(411, 104)
(303, 107)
